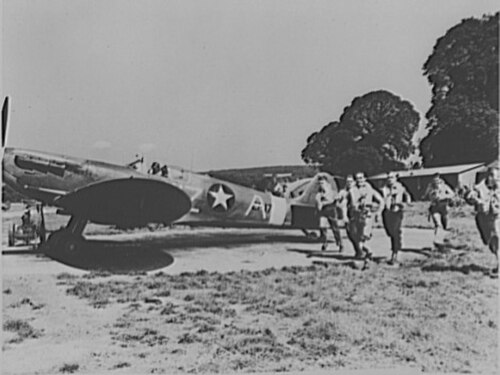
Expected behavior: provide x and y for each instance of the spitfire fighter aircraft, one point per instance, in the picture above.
(104, 193)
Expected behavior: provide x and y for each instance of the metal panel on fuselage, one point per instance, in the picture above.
(55, 175)
(46, 176)
(217, 202)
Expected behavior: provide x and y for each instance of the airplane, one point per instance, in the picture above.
(105, 193)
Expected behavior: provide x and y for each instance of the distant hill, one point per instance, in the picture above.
(259, 177)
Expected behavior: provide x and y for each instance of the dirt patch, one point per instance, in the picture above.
(437, 312)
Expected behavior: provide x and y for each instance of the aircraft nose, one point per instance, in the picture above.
(8, 156)
(8, 167)
(8, 160)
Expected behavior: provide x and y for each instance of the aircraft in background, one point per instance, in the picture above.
(105, 193)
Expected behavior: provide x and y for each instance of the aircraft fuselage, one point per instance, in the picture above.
(47, 177)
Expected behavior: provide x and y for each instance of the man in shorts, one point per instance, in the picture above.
(345, 207)
(486, 198)
(362, 202)
(440, 195)
(394, 194)
(327, 208)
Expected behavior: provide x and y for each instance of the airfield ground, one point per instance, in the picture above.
(252, 301)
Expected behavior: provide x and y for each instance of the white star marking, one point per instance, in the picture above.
(220, 197)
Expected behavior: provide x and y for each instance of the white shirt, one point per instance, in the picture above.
(486, 198)
(364, 196)
(325, 196)
(440, 192)
(394, 195)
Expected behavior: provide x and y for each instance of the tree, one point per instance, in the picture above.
(374, 134)
(463, 73)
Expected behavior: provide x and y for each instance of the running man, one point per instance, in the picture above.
(347, 213)
(394, 194)
(486, 198)
(440, 195)
(325, 202)
(362, 199)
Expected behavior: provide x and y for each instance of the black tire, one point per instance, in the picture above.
(40, 233)
(12, 240)
(13, 231)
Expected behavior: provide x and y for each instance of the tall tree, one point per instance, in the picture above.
(463, 73)
(374, 134)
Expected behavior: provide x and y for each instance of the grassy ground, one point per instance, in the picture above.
(466, 251)
(438, 315)
(21, 329)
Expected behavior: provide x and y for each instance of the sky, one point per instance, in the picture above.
(208, 84)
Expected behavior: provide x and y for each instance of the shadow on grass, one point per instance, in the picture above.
(111, 256)
(216, 238)
(293, 239)
(426, 251)
(465, 269)
(335, 255)
(320, 253)
(147, 253)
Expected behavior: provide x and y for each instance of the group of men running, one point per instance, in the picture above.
(358, 203)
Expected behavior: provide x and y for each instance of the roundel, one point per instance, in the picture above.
(220, 198)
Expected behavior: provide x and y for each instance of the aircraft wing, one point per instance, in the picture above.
(127, 202)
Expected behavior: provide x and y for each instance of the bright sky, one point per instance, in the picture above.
(208, 84)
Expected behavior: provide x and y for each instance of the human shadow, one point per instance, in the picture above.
(318, 253)
(426, 251)
(335, 254)
(465, 269)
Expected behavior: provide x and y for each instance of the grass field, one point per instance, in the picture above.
(439, 314)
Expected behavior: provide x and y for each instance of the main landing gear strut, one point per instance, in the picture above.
(70, 238)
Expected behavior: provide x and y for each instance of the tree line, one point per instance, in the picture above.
(375, 133)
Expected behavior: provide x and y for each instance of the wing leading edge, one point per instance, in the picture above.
(127, 202)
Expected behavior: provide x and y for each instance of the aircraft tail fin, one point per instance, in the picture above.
(310, 189)
(5, 118)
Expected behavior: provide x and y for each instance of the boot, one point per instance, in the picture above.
(394, 258)
(368, 254)
(341, 247)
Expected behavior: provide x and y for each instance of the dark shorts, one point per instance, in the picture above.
(329, 211)
(439, 208)
(487, 226)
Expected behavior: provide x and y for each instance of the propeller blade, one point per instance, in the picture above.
(5, 118)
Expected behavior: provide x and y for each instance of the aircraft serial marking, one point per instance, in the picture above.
(258, 204)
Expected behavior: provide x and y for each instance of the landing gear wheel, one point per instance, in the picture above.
(12, 240)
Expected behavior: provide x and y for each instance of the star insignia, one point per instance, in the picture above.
(220, 197)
